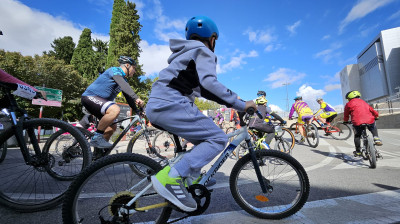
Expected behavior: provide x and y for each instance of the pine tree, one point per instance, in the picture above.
(63, 49)
(118, 8)
(83, 58)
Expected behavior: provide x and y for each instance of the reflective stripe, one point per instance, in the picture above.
(106, 106)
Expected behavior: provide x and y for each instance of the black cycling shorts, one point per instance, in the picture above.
(96, 105)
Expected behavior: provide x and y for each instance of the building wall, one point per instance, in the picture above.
(372, 72)
(349, 80)
(391, 55)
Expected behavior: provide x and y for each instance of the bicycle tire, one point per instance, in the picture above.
(164, 143)
(287, 192)
(371, 150)
(3, 151)
(31, 188)
(102, 188)
(295, 131)
(283, 140)
(68, 148)
(340, 131)
(230, 129)
(312, 135)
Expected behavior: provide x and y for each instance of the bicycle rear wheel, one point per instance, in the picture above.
(107, 186)
(312, 135)
(33, 187)
(286, 181)
(340, 131)
(165, 144)
(371, 150)
(295, 131)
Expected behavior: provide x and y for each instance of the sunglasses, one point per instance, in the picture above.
(260, 94)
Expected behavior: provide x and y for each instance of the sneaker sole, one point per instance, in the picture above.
(162, 191)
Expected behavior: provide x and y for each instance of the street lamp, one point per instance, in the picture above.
(287, 97)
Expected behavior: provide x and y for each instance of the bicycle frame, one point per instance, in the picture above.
(241, 134)
(17, 124)
(135, 119)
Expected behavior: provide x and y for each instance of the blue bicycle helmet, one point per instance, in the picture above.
(201, 27)
(126, 60)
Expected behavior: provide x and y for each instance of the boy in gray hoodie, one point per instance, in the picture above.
(191, 73)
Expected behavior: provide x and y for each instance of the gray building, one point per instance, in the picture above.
(377, 73)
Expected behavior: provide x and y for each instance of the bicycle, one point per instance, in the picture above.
(368, 150)
(265, 183)
(338, 130)
(33, 180)
(143, 133)
(310, 130)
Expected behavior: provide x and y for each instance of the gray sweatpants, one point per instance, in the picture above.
(184, 119)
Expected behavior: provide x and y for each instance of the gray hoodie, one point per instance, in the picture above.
(192, 73)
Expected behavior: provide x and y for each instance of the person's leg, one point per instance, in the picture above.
(267, 129)
(372, 128)
(185, 120)
(357, 136)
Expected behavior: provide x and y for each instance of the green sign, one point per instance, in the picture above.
(51, 94)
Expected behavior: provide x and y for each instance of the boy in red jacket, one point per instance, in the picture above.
(361, 113)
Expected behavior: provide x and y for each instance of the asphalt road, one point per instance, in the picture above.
(343, 189)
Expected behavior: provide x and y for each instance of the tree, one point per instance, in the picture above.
(50, 72)
(100, 54)
(83, 58)
(204, 104)
(118, 7)
(63, 49)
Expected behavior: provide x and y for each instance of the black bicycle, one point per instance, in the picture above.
(32, 177)
(368, 149)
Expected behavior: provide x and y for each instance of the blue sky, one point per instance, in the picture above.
(262, 44)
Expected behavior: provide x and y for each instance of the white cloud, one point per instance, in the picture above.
(263, 37)
(153, 57)
(292, 28)
(165, 28)
(282, 76)
(310, 94)
(31, 32)
(329, 53)
(394, 15)
(331, 87)
(275, 108)
(236, 61)
(360, 10)
(326, 37)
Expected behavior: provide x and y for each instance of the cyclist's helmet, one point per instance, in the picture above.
(201, 27)
(319, 98)
(353, 94)
(261, 100)
(261, 93)
(298, 98)
(126, 60)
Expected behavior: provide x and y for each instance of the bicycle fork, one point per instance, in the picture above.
(256, 167)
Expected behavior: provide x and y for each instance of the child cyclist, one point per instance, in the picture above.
(361, 113)
(191, 73)
(264, 125)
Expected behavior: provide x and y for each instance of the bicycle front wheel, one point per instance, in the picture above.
(286, 180)
(340, 131)
(284, 141)
(40, 184)
(101, 193)
(312, 135)
(371, 153)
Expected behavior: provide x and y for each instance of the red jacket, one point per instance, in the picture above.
(360, 111)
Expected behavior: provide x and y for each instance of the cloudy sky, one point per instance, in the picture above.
(263, 45)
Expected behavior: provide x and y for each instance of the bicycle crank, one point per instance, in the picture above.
(202, 196)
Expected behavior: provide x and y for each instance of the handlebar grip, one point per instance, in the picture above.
(251, 111)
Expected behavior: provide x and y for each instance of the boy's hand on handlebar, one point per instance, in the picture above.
(250, 104)
(139, 102)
